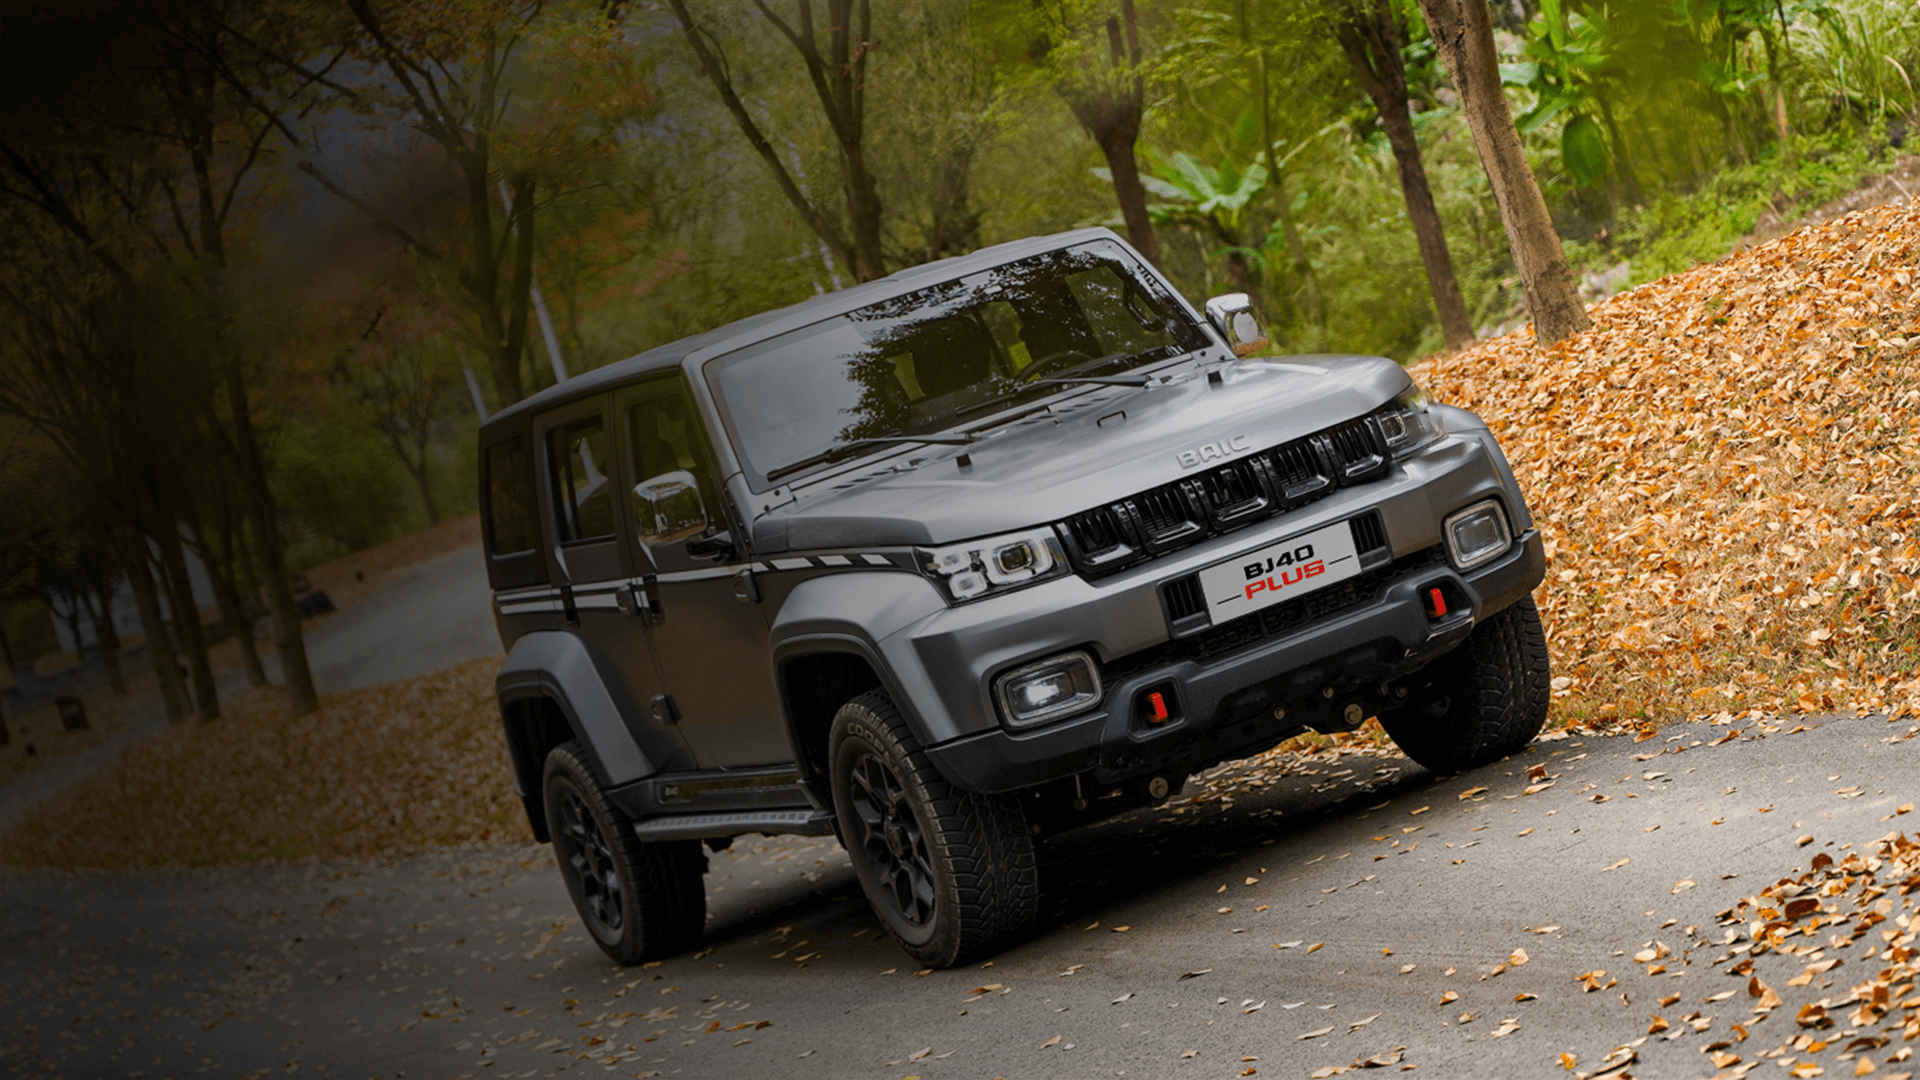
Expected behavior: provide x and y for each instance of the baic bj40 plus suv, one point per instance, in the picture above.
(992, 548)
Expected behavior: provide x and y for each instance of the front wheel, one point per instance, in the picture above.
(1482, 701)
(950, 873)
(640, 901)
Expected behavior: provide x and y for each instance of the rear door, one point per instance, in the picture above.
(589, 564)
(711, 631)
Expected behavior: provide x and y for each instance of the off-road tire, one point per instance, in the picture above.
(638, 900)
(976, 851)
(1482, 701)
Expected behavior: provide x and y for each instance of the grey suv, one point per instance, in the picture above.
(992, 548)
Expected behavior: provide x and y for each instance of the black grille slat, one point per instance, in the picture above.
(1184, 598)
(1227, 496)
(1368, 533)
(1096, 531)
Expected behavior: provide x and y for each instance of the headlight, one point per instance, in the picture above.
(1477, 534)
(1056, 686)
(979, 567)
(1408, 424)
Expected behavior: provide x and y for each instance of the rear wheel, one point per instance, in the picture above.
(1482, 701)
(951, 873)
(640, 901)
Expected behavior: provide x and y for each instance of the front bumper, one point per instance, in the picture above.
(1225, 705)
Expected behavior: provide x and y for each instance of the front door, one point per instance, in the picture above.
(710, 631)
(586, 559)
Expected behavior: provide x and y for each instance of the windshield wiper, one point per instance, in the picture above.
(841, 451)
(1064, 380)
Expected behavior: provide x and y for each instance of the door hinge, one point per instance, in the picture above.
(642, 599)
(665, 709)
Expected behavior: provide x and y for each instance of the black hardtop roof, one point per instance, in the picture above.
(897, 283)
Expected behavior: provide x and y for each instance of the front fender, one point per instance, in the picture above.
(557, 666)
(857, 613)
(1461, 422)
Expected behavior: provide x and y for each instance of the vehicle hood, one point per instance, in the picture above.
(1090, 448)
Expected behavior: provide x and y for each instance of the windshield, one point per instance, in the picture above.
(914, 364)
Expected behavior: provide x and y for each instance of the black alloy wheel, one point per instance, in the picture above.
(638, 900)
(889, 837)
(951, 873)
(578, 841)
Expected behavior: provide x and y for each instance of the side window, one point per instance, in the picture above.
(510, 495)
(675, 494)
(582, 493)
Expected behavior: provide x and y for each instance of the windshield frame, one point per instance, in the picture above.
(1189, 335)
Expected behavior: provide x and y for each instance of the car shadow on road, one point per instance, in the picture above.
(1089, 868)
(1153, 848)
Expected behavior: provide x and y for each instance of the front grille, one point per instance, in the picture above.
(1238, 493)
(1276, 621)
(1184, 598)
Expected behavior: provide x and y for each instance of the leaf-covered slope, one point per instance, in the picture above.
(1725, 471)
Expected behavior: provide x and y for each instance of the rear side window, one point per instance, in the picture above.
(583, 494)
(510, 495)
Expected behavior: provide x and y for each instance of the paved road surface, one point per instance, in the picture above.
(439, 615)
(471, 964)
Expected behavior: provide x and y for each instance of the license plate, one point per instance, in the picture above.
(1279, 572)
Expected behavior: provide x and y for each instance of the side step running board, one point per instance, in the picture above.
(733, 823)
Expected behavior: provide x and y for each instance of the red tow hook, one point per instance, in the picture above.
(1436, 604)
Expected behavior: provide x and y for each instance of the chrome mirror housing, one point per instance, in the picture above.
(668, 508)
(1233, 316)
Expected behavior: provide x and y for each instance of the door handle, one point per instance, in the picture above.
(665, 709)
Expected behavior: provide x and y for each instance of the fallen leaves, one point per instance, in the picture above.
(387, 769)
(1616, 866)
(1752, 422)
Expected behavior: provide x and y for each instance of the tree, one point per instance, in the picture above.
(143, 149)
(400, 373)
(1108, 99)
(839, 80)
(1464, 35)
(1369, 32)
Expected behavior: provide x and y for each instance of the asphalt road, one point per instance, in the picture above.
(439, 615)
(1210, 943)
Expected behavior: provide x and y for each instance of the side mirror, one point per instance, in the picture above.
(1233, 316)
(668, 509)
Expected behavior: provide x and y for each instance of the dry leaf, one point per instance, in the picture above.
(1314, 1034)
(1616, 866)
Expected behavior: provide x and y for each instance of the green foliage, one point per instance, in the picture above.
(1582, 150)
(343, 489)
(1677, 230)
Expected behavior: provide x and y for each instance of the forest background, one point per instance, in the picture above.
(267, 262)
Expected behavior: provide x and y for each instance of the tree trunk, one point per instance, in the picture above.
(1371, 38)
(186, 618)
(1465, 39)
(1111, 109)
(426, 491)
(273, 562)
(166, 664)
(232, 612)
(1116, 145)
(104, 630)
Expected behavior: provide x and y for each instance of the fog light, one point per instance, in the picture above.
(1051, 688)
(1477, 534)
